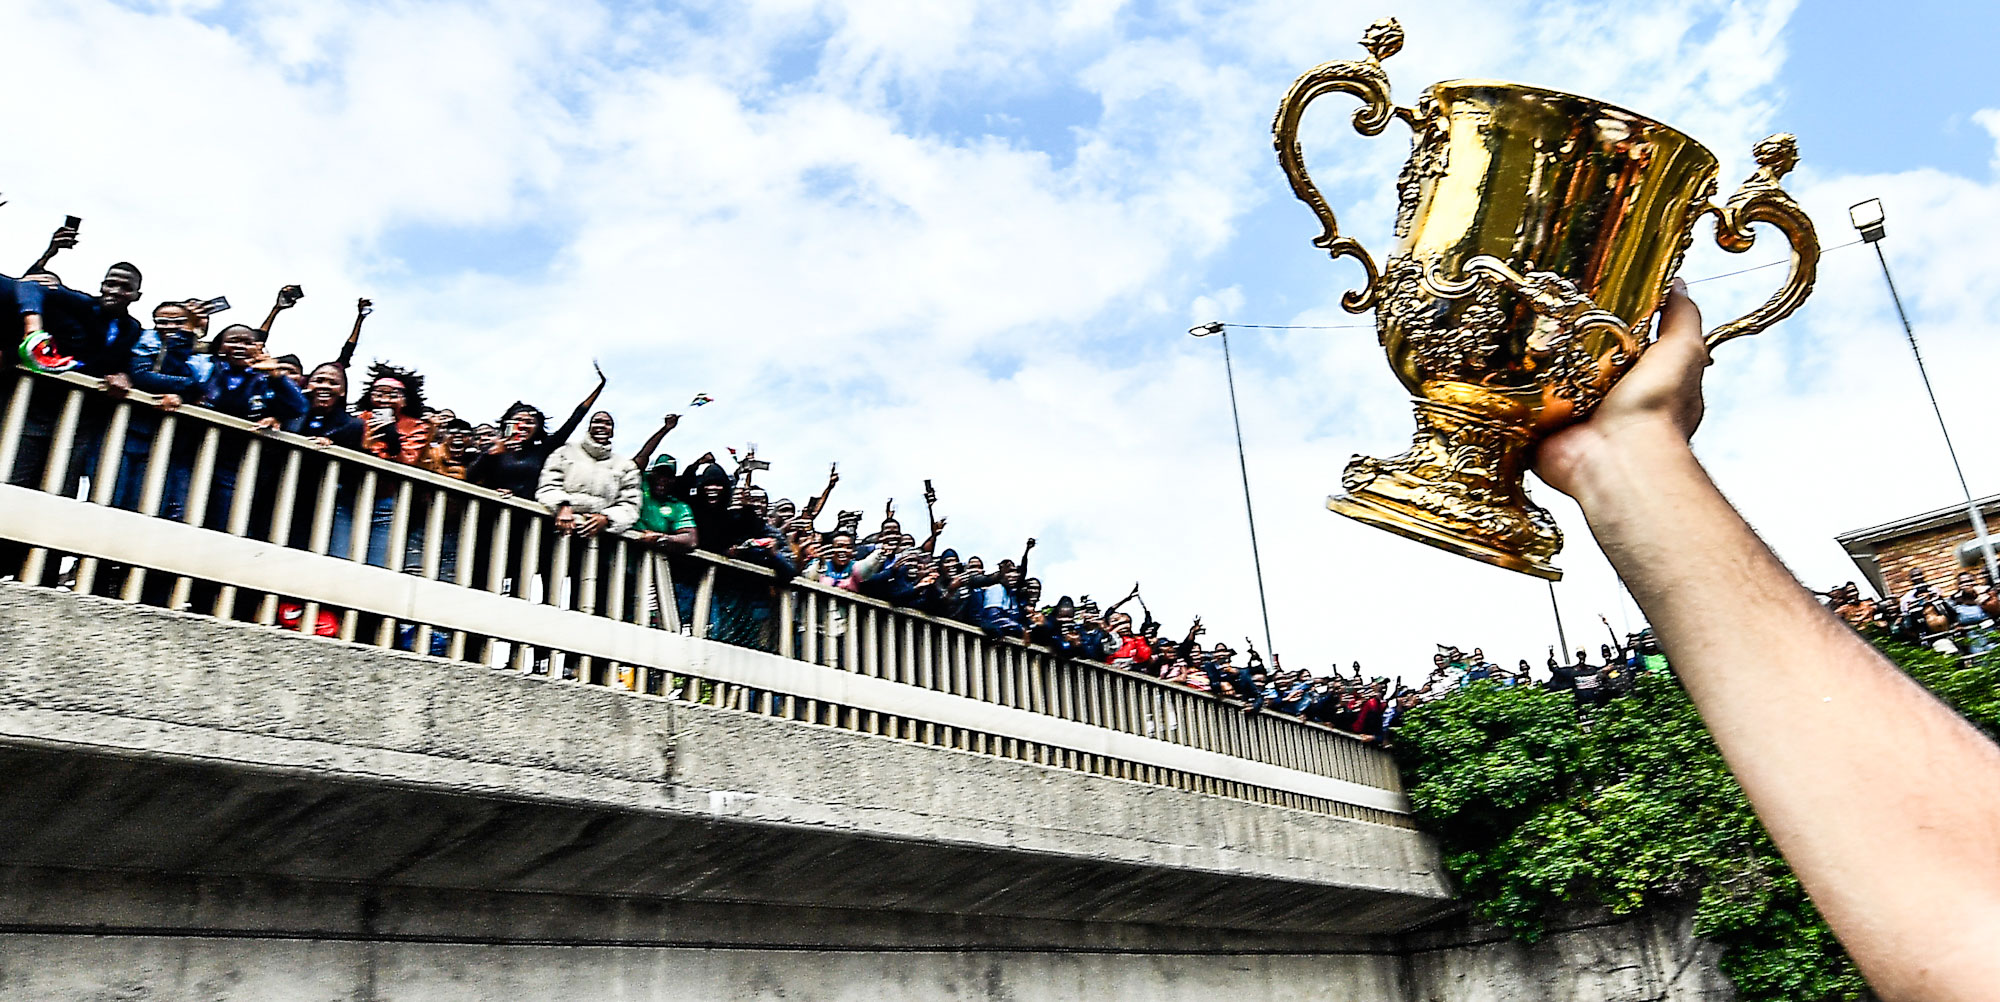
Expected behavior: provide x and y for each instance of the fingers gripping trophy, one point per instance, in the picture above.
(1536, 234)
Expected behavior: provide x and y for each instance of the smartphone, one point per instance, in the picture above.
(216, 305)
(383, 414)
(72, 222)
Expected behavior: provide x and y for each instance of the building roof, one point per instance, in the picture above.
(1861, 544)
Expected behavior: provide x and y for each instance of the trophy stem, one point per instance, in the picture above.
(1458, 488)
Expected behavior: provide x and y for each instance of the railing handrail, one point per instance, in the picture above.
(529, 506)
(902, 646)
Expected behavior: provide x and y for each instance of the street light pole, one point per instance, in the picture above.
(1869, 218)
(1243, 466)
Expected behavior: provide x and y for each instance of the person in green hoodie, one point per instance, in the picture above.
(664, 518)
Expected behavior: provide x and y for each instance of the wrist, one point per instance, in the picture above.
(1608, 467)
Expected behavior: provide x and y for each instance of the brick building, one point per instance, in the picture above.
(1940, 543)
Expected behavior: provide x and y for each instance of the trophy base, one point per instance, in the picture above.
(1458, 488)
(1364, 511)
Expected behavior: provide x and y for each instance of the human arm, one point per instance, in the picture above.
(930, 542)
(684, 540)
(1115, 606)
(1025, 550)
(288, 297)
(362, 307)
(62, 239)
(147, 370)
(625, 510)
(569, 425)
(1885, 802)
(286, 403)
(645, 454)
(818, 504)
(552, 490)
(1194, 632)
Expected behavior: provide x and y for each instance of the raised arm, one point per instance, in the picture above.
(569, 425)
(362, 307)
(930, 542)
(1121, 602)
(63, 239)
(818, 504)
(288, 297)
(1885, 802)
(1194, 633)
(645, 454)
(1617, 645)
(1030, 548)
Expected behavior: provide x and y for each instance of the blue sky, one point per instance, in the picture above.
(964, 240)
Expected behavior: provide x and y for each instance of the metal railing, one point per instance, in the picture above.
(199, 511)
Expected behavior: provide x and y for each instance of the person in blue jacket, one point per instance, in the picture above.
(166, 362)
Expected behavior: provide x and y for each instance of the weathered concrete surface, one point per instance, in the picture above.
(1648, 958)
(175, 743)
(199, 810)
(132, 969)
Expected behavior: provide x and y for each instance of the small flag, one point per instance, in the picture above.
(700, 399)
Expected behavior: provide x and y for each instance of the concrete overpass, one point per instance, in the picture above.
(848, 801)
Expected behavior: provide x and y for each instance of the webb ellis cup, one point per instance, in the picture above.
(1536, 235)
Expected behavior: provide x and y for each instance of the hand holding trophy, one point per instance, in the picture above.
(1536, 234)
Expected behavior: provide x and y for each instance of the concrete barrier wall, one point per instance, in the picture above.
(192, 809)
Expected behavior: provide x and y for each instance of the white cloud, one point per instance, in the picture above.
(797, 207)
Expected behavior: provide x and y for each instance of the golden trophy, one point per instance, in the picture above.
(1536, 234)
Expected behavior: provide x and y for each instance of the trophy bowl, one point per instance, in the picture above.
(1536, 235)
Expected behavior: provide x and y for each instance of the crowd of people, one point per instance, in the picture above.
(591, 489)
(1961, 618)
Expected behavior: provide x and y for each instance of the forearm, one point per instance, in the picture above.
(1884, 801)
(645, 454)
(346, 357)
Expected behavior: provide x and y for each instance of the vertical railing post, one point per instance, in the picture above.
(110, 464)
(524, 580)
(13, 424)
(398, 556)
(55, 475)
(239, 516)
(704, 598)
(149, 495)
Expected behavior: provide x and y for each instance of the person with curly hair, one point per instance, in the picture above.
(515, 465)
(392, 415)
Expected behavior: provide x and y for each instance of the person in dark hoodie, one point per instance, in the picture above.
(1060, 632)
(94, 335)
(525, 445)
(959, 588)
(706, 487)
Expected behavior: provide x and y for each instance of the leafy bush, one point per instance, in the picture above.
(1539, 811)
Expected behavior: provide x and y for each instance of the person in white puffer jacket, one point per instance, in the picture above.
(590, 489)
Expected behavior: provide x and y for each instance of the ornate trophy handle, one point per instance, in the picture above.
(1761, 200)
(1363, 79)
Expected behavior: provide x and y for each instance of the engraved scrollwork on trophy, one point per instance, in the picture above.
(1457, 470)
(1456, 345)
(1557, 352)
(1762, 199)
(1362, 78)
(1535, 234)
(1430, 153)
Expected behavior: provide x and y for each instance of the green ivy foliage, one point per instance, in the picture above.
(1539, 811)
